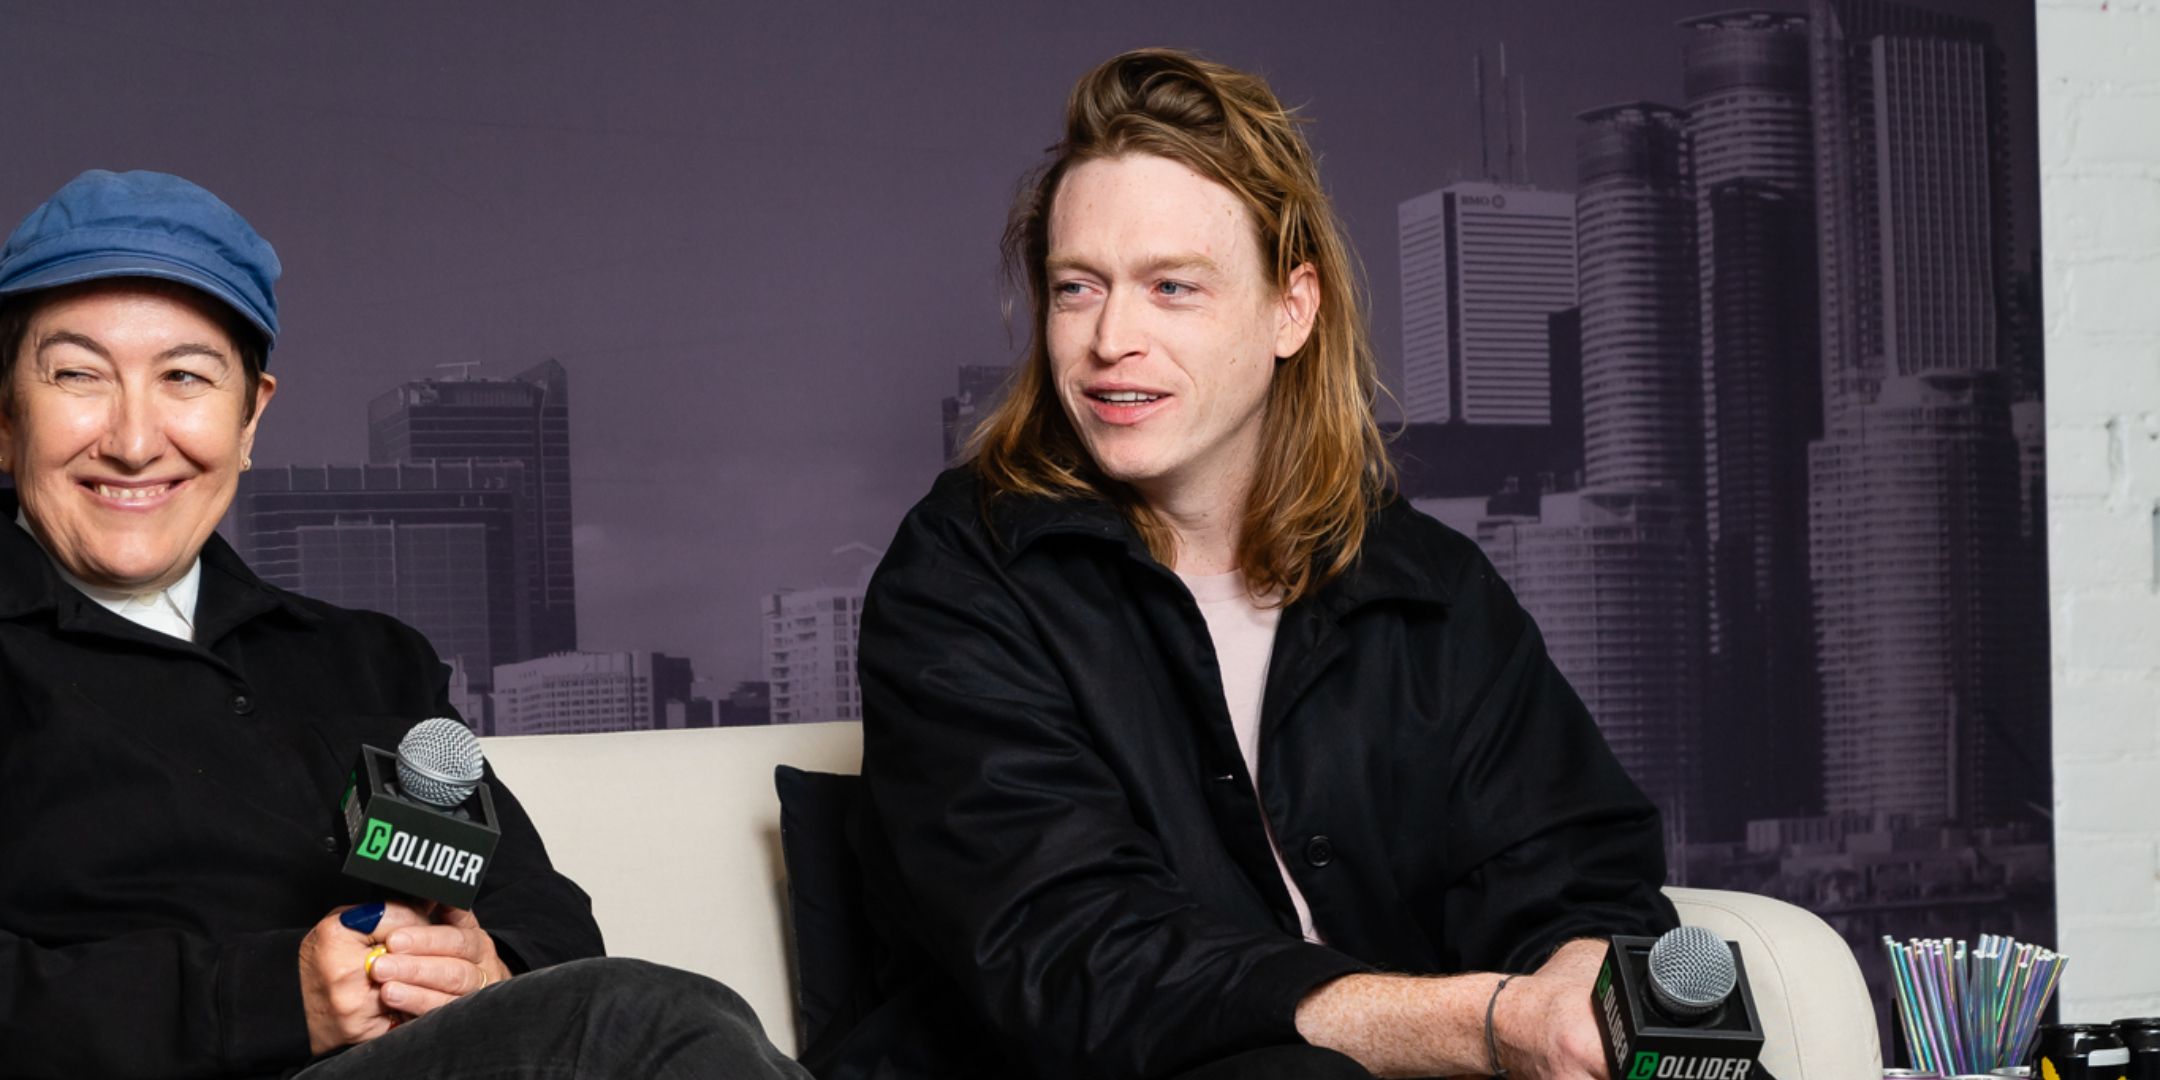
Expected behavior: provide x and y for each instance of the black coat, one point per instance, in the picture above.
(1058, 815)
(170, 819)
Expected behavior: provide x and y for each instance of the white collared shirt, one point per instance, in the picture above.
(170, 610)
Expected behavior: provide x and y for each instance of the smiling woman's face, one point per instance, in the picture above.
(126, 429)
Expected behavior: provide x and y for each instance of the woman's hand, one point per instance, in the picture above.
(341, 1003)
(431, 966)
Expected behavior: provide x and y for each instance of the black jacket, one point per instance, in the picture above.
(168, 819)
(1059, 815)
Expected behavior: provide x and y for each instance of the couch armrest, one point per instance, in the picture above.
(1818, 1023)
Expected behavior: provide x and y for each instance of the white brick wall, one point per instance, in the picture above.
(2100, 219)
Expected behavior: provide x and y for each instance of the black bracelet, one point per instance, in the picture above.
(1492, 1046)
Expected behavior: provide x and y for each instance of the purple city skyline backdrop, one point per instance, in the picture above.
(1752, 426)
(760, 242)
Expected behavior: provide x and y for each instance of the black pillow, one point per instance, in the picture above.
(835, 948)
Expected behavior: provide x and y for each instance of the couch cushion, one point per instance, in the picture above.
(676, 836)
(832, 935)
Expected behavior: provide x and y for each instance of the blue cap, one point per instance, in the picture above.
(144, 224)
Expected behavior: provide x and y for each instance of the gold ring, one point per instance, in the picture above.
(374, 954)
(485, 980)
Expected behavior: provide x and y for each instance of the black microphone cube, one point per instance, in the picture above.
(1642, 1043)
(410, 847)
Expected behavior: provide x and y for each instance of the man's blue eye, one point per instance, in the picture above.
(1174, 288)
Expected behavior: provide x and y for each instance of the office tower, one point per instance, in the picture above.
(1746, 74)
(810, 637)
(1921, 575)
(1642, 385)
(1750, 131)
(1607, 577)
(1926, 620)
(1746, 79)
(573, 692)
(981, 387)
(524, 419)
(1483, 265)
(1765, 722)
(440, 545)
(1914, 224)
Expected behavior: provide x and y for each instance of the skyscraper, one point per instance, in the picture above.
(439, 545)
(1911, 154)
(1764, 723)
(1750, 132)
(524, 419)
(810, 637)
(1922, 581)
(1746, 74)
(1642, 382)
(1483, 266)
(1925, 618)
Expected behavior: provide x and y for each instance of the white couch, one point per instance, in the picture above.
(676, 836)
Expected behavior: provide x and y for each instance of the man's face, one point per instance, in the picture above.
(1163, 325)
(127, 430)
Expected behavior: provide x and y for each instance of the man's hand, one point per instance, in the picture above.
(431, 966)
(341, 1004)
(1401, 1025)
(1544, 1022)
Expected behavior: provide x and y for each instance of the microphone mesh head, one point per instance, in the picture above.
(1691, 971)
(439, 762)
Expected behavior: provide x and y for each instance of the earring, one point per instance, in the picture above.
(246, 463)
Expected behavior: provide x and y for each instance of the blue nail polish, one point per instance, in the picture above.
(362, 919)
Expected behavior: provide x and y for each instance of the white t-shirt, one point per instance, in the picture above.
(170, 610)
(1244, 636)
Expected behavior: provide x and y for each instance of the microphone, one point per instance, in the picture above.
(1677, 1007)
(420, 821)
(439, 763)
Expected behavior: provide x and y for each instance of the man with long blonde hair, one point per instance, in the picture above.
(1178, 728)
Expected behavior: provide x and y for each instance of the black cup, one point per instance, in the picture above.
(2142, 1036)
(2070, 1049)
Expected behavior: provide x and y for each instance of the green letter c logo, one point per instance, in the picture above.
(376, 841)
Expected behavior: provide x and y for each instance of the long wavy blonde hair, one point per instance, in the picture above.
(1323, 467)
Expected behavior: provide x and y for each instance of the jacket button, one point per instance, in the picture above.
(330, 844)
(1319, 851)
(243, 704)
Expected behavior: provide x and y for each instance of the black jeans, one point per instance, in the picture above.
(586, 1019)
(1281, 1063)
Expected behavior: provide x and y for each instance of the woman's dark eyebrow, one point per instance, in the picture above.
(70, 337)
(195, 348)
(90, 344)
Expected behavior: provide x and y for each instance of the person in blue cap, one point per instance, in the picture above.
(175, 733)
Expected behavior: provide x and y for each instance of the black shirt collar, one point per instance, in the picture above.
(230, 593)
(1391, 565)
